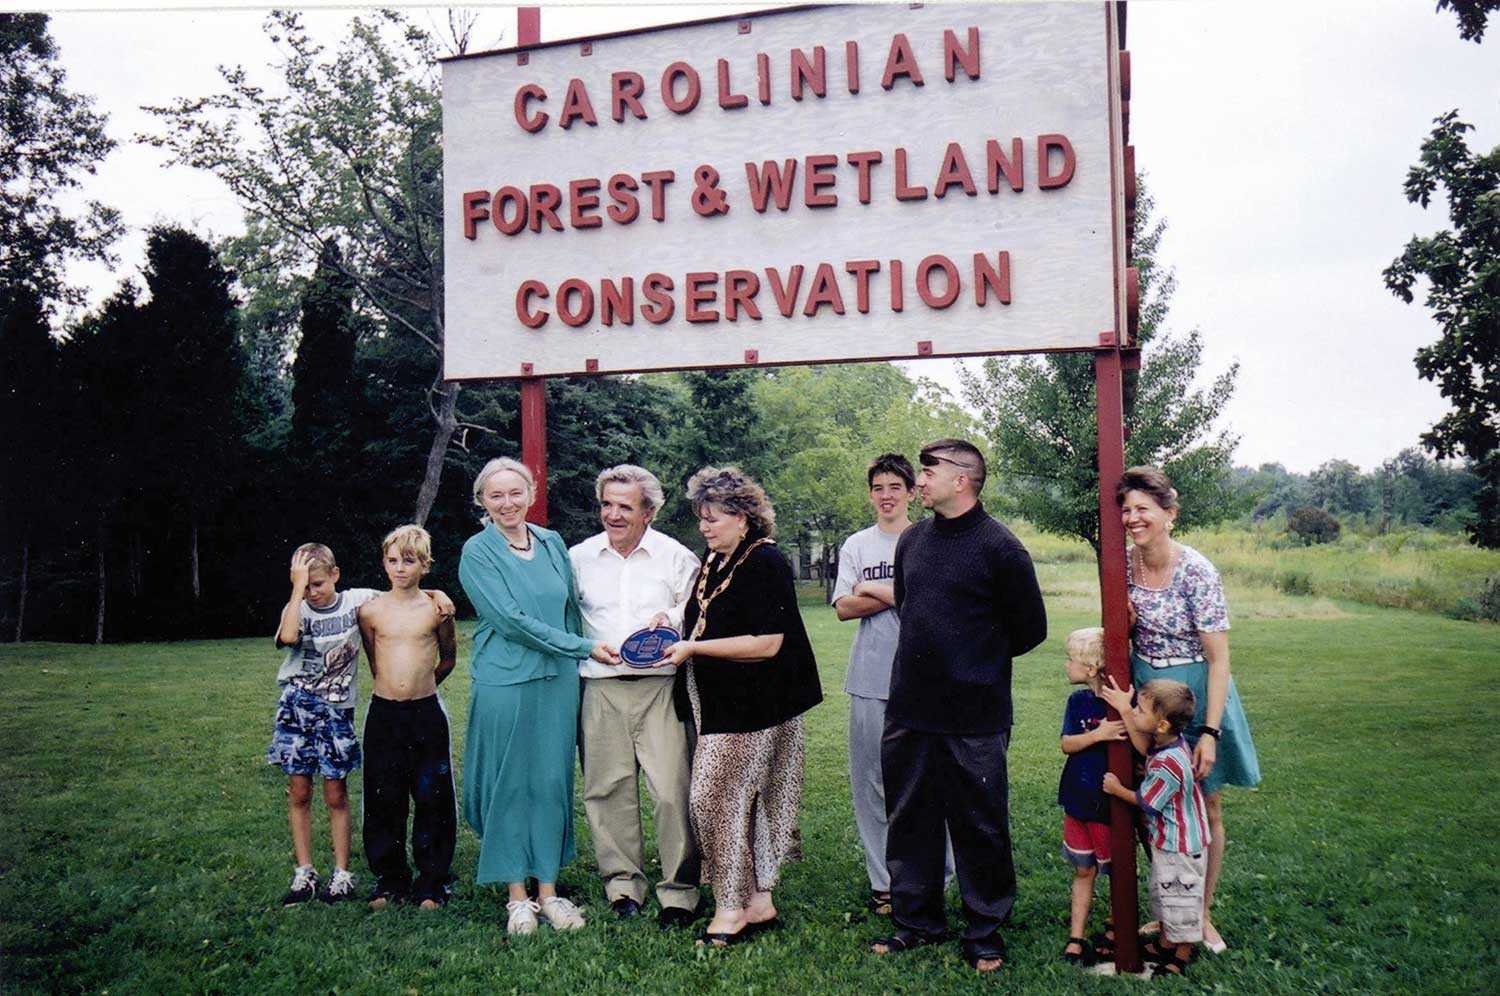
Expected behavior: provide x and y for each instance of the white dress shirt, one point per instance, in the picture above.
(619, 595)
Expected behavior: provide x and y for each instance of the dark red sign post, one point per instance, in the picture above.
(533, 389)
(1114, 353)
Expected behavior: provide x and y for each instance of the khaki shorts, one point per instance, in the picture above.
(1177, 894)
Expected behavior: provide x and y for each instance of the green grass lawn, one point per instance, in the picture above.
(144, 840)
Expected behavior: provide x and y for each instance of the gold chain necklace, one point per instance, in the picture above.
(705, 601)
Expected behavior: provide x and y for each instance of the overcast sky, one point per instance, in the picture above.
(1275, 136)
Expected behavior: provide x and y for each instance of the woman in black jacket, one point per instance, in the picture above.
(750, 675)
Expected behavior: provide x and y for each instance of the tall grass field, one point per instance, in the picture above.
(144, 848)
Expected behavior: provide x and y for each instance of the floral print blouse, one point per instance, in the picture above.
(1168, 620)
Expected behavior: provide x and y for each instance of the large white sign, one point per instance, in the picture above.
(793, 187)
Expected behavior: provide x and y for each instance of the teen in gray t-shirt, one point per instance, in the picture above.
(870, 555)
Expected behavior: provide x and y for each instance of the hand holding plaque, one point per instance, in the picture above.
(645, 648)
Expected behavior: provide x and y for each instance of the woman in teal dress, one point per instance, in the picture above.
(523, 710)
(1180, 631)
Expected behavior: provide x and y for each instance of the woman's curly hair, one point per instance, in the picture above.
(732, 490)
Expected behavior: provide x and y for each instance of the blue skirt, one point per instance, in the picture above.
(518, 777)
(1237, 763)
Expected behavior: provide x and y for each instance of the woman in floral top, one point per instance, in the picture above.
(1180, 630)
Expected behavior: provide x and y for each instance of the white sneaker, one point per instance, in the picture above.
(340, 887)
(562, 914)
(522, 916)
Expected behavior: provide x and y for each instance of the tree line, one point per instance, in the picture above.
(168, 449)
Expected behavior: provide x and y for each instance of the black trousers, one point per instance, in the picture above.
(407, 759)
(960, 779)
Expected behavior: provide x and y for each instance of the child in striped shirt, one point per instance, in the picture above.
(1175, 819)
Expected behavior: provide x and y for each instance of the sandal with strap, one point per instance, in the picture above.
(904, 940)
(1084, 956)
(1155, 951)
(1175, 966)
(879, 903)
(990, 948)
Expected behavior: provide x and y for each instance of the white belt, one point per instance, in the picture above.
(1161, 662)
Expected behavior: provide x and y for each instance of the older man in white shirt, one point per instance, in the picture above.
(628, 577)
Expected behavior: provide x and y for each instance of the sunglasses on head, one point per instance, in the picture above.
(932, 460)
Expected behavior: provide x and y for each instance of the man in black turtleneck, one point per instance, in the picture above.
(969, 602)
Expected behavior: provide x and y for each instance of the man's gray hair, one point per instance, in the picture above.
(629, 473)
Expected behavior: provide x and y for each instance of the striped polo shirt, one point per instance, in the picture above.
(1171, 800)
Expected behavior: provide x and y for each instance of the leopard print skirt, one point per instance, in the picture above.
(744, 799)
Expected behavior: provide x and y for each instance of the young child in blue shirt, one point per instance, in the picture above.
(1086, 733)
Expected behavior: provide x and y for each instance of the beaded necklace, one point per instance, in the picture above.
(704, 601)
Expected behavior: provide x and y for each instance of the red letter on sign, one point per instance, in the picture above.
(581, 198)
(771, 181)
(1046, 179)
(625, 91)
(862, 268)
(476, 209)
(740, 288)
(577, 105)
(655, 288)
(617, 302)
(727, 98)
(904, 191)
(954, 56)
(1014, 168)
(626, 207)
(825, 290)
(862, 161)
(538, 121)
(900, 62)
(814, 75)
(668, 84)
(763, 77)
(657, 181)
(924, 281)
(987, 278)
(955, 171)
(785, 294)
(700, 290)
(818, 175)
(545, 200)
(530, 319)
(516, 198)
(851, 65)
(585, 310)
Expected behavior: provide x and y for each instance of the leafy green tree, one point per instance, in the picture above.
(1462, 270)
(1040, 416)
(1338, 487)
(351, 152)
(51, 138)
(1472, 16)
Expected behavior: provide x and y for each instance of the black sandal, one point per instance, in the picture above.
(904, 940)
(991, 948)
(879, 903)
(1157, 952)
(1175, 966)
(718, 940)
(1104, 943)
(1084, 957)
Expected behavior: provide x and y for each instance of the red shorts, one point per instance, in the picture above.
(1086, 844)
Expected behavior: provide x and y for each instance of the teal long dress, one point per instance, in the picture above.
(523, 710)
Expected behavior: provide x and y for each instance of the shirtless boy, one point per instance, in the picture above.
(411, 650)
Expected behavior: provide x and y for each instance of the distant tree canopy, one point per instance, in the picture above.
(1312, 525)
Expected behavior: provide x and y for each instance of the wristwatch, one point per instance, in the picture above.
(1211, 731)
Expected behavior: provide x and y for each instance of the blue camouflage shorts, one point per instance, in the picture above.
(312, 737)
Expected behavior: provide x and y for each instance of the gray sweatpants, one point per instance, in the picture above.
(867, 788)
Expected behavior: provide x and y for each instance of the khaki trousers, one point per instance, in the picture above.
(630, 726)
